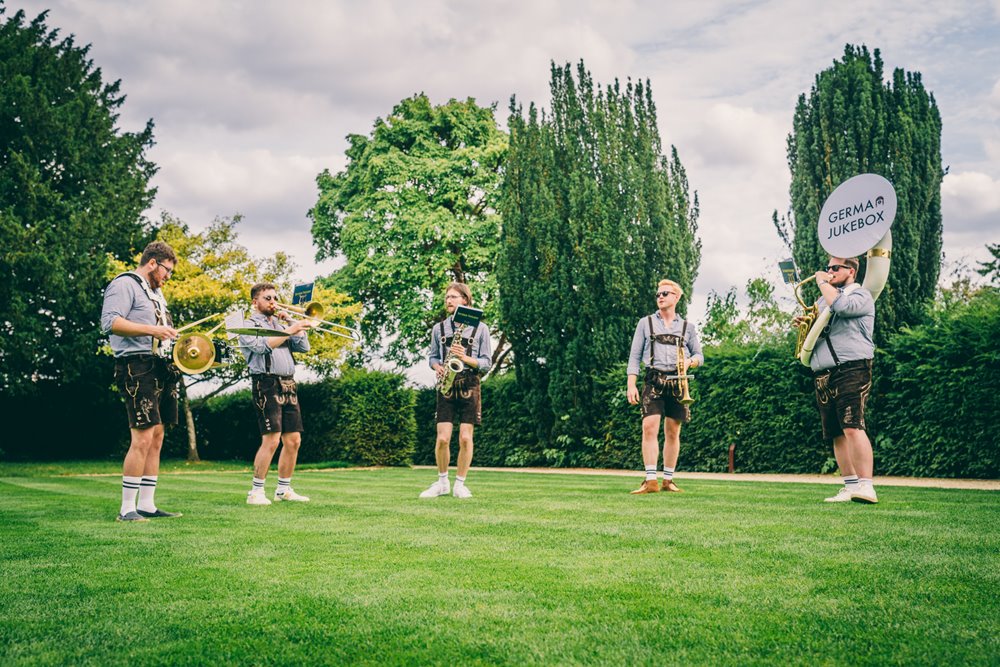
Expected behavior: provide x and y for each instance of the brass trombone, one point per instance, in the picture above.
(313, 311)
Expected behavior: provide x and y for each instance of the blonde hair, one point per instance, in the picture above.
(671, 283)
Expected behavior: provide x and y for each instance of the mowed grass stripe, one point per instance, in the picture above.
(535, 569)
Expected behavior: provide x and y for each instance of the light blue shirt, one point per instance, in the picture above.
(666, 354)
(126, 298)
(481, 347)
(257, 351)
(851, 328)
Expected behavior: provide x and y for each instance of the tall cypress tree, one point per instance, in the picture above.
(594, 215)
(852, 123)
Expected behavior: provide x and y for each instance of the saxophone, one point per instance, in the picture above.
(453, 366)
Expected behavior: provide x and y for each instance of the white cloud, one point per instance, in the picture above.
(970, 202)
(252, 100)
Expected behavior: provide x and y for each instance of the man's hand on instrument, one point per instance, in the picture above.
(439, 370)
(799, 320)
(299, 326)
(459, 351)
(161, 332)
(822, 276)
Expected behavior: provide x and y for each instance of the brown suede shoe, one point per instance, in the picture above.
(671, 487)
(649, 486)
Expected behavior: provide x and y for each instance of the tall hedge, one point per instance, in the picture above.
(933, 410)
(364, 418)
(939, 395)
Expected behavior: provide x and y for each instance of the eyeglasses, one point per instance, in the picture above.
(836, 267)
(170, 271)
(664, 293)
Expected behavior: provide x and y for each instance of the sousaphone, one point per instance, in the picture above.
(855, 220)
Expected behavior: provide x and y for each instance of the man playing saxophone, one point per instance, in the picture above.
(842, 373)
(657, 339)
(461, 400)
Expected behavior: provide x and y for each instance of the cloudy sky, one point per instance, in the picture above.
(252, 99)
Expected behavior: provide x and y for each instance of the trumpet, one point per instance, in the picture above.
(682, 376)
(313, 311)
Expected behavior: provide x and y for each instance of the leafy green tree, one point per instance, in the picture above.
(852, 122)
(594, 215)
(763, 320)
(72, 189)
(414, 210)
(991, 269)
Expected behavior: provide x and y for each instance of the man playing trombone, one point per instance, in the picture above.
(657, 339)
(272, 370)
(135, 314)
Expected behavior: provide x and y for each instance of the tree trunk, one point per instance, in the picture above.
(192, 455)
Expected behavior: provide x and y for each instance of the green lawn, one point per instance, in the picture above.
(535, 569)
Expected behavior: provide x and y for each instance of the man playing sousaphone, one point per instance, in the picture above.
(842, 368)
(657, 338)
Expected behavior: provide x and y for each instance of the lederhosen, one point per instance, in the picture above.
(842, 391)
(464, 400)
(148, 381)
(276, 399)
(660, 393)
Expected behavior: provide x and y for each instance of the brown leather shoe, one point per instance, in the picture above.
(649, 486)
(671, 487)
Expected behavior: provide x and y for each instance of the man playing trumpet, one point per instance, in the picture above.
(272, 371)
(842, 368)
(656, 340)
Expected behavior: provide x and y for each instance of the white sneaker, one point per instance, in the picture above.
(437, 489)
(462, 491)
(290, 495)
(257, 498)
(865, 494)
(843, 496)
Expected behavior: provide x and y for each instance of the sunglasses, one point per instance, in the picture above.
(836, 267)
(664, 293)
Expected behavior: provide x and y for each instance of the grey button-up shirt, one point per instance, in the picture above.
(124, 297)
(666, 354)
(852, 325)
(257, 351)
(481, 346)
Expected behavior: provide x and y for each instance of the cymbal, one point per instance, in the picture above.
(257, 331)
(194, 353)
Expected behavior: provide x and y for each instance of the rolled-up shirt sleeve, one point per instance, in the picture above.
(484, 349)
(856, 304)
(638, 347)
(255, 344)
(299, 342)
(117, 303)
(694, 344)
(434, 353)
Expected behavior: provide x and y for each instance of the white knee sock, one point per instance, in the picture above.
(147, 487)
